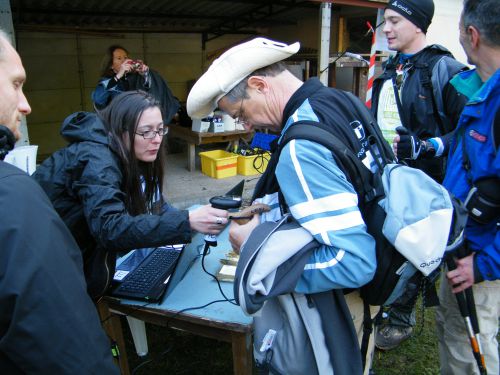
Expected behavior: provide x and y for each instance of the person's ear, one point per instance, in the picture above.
(258, 83)
(474, 36)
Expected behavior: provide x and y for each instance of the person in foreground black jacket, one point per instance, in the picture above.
(107, 186)
(48, 324)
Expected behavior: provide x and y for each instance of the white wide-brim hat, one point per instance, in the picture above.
(230, 68)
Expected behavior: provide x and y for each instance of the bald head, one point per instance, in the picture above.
(14, 104)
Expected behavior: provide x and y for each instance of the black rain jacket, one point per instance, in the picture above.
(427, 81)
(48, 323)
(84, 182)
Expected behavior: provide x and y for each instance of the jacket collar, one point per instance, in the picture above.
(305, 91)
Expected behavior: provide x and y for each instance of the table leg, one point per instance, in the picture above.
(138, 331)
(242, 353)
(113, 327)
(191, 156)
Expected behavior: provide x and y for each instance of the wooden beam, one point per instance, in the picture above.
(357, 3)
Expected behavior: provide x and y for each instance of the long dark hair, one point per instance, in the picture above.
(107, 60)
(120, 119)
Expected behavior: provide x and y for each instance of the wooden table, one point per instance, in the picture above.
(194, 139)
(222, 321)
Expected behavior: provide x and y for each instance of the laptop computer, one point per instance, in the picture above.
(150, 274)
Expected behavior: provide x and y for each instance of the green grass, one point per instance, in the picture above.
(176, 352)
(416, 356)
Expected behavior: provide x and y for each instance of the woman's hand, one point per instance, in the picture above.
(208, 220)
(142, 68)
(125, 67)
(239, 233)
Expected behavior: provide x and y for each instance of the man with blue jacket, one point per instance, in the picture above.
(473, 175)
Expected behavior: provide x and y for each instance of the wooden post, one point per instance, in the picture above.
(113, 328)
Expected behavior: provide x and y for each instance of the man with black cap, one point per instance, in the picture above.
(413, 101)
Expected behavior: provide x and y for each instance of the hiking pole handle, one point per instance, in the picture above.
(462, 252)
(462, 305)
(464, 311)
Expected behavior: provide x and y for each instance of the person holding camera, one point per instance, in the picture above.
(119, 73)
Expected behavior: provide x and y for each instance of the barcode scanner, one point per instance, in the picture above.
(226, 202)
(230, 200)
(222, 202)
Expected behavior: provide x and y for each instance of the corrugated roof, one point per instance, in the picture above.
(210, 17)
(213, 17)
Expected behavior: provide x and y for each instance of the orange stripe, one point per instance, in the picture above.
(219, 167)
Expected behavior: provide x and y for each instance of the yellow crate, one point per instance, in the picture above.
(218, 163)
(251, 165)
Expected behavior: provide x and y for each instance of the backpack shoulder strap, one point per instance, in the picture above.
(374, 133)
(356, 172)
(435, 74)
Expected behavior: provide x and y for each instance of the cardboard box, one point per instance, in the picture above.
(217, 125)
(200, 126)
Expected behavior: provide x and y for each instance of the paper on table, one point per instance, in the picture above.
(226, 273)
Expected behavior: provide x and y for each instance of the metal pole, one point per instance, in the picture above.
(81, 72)
(324, 51)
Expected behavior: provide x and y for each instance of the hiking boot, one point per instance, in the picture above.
(391, 336)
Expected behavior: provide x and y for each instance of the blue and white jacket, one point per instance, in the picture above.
(320, 197)
(475, 128)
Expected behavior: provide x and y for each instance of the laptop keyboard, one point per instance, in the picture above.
(148, 280)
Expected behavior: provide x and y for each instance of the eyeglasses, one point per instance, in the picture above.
(150, 134)
(240, 118)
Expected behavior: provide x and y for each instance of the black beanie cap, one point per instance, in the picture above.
(418, 12)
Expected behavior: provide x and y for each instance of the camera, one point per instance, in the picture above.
(136, 65)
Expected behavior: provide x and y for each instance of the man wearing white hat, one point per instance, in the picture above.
(252, 85)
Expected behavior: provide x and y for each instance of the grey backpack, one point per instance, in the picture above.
(293, 333)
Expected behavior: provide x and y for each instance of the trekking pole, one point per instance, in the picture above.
(465, 312)
(471, 305)
(469, 297)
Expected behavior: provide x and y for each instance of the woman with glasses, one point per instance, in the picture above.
(107, 186)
